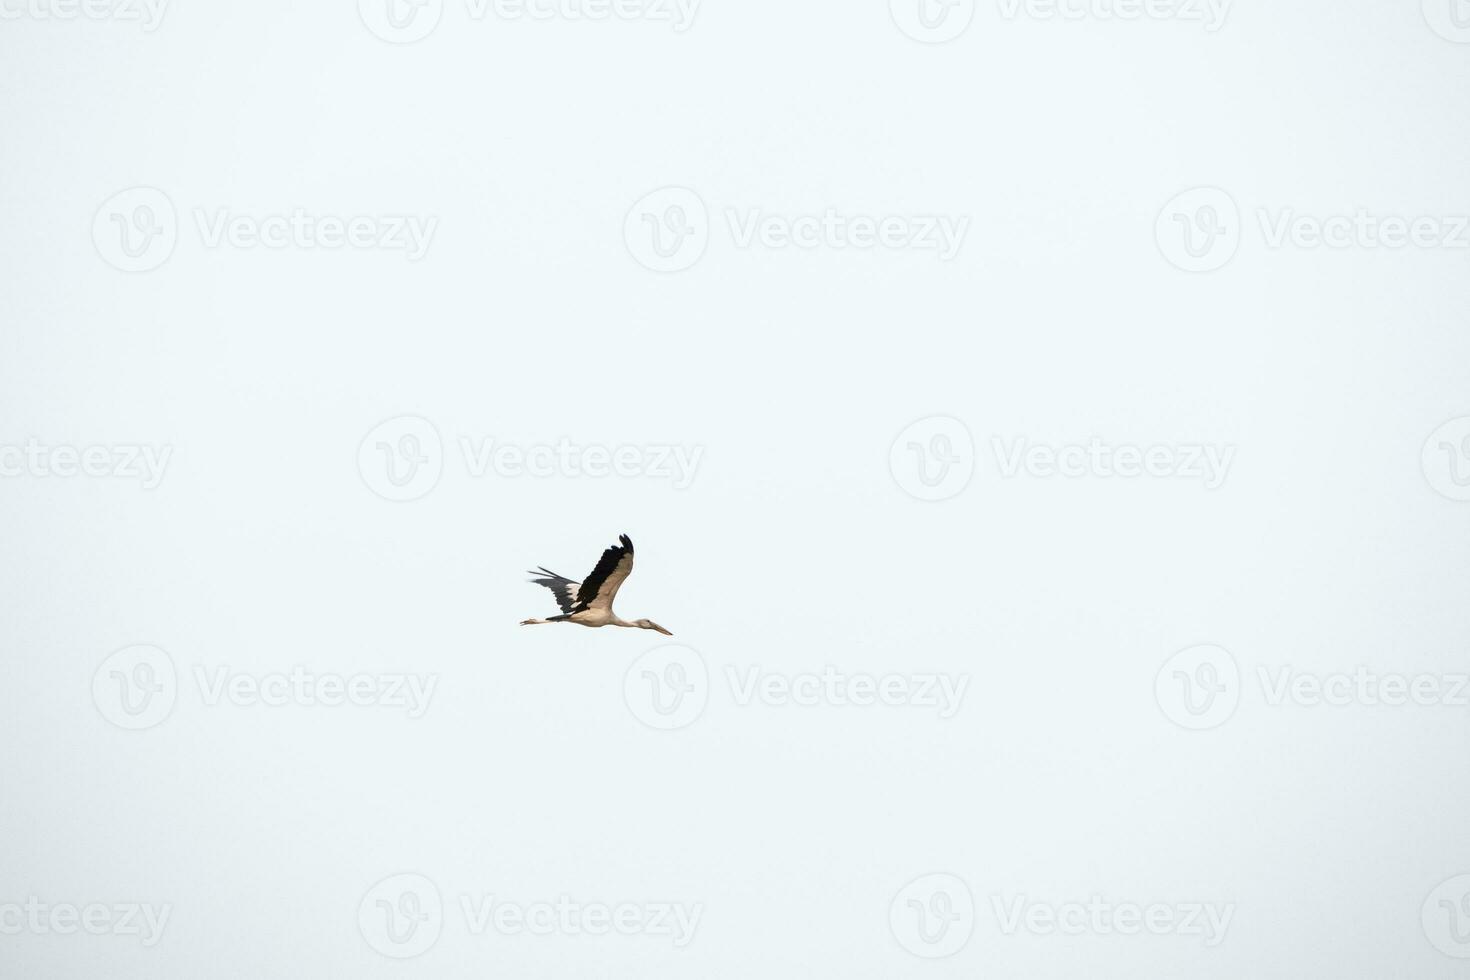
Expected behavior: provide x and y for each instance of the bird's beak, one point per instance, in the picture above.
(662, 630)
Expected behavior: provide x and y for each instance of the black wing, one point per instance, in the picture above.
(599, 587)
(563, 588)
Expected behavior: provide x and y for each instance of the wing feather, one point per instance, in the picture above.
(562, 587)
(601, 585)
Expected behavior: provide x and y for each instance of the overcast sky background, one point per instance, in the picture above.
(805, 381)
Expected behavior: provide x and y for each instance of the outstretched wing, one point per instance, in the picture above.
(564, 589)
(598, 588)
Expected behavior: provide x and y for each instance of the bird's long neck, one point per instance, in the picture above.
(615, 621)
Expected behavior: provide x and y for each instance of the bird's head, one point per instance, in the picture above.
(649, 624)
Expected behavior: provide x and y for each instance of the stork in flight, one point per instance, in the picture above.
(589, 602)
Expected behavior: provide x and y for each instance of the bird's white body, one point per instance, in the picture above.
(596, 617)
(589, 602)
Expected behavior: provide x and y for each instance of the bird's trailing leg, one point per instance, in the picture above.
(533, 622)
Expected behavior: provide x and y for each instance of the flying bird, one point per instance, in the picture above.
(589, 602)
